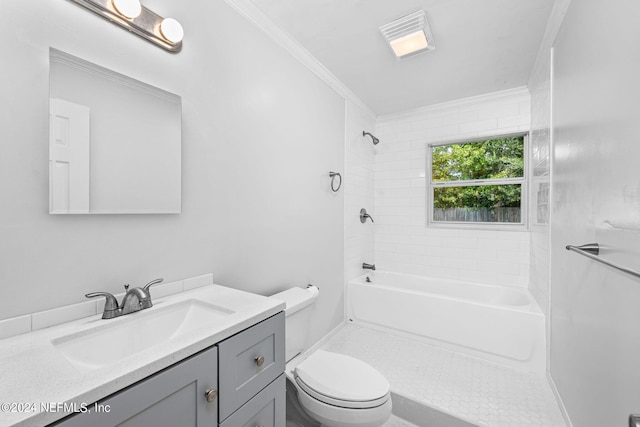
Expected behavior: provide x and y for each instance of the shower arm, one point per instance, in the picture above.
(373, 138)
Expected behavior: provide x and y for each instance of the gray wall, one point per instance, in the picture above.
(595, 321)
(260, 133)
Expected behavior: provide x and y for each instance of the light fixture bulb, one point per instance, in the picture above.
(128, 8)
(171, 30)
(410, 43)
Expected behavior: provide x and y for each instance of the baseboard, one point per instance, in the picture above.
(559, 401)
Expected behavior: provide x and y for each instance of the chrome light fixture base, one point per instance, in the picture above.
(145, 25)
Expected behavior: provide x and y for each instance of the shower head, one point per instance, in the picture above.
(373, 138)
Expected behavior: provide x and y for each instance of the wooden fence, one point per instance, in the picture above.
(511, 215)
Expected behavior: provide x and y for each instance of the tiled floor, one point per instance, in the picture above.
(473, 390)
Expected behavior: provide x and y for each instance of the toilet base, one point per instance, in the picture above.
(333, 416)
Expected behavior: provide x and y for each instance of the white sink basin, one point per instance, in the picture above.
(109, 343)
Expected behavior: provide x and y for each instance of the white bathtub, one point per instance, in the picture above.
(496, 323)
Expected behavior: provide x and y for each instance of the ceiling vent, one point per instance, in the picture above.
(409, 35)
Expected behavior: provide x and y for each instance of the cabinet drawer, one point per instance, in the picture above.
(249, 361)
(267, 409)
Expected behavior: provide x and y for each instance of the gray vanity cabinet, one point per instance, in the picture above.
(244, 374)
(173, 397)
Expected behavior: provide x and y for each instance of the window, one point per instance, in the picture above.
(477, 182)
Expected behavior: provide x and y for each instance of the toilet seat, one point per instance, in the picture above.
(342, 381)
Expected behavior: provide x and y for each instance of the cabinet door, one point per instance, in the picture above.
(249, 361)
(267, 409)
(173, 397)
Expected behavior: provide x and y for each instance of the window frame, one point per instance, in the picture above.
(523, 225)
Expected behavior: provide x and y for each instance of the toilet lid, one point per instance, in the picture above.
(342, 380)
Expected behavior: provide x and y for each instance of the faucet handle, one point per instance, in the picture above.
(153, 282)
(110, 306)
(146, 302)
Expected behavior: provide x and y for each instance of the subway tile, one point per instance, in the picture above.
(507, 244)
(512, 256)
(480, 125)
(411, 249)
(486, 254)
(460, 242)
(393, 165)
(411, 211)
(483, 277)
(500, 267)
(386, 247)
(439, 132)
(417, 269)
(419, 163)
(512, 121)
(492, 132)
(389, 209)
(460, 263)
(443, 252)
(443, 272)
(512, 280)
(432, 261)
(432, 241)
(445, 232)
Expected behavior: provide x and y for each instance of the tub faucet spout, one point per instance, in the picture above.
(366, 266)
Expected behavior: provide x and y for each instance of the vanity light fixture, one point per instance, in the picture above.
(131, 15)
(409, 35)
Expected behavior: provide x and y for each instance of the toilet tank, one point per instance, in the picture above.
(297, 317)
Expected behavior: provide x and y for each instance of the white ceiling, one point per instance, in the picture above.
(482, 46)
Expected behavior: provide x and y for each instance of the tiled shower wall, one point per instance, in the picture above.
(403, 243)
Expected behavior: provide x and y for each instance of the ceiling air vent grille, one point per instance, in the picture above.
(409, 35)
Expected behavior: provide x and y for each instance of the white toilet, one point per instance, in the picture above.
(333, 389)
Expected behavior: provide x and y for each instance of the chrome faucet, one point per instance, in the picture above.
(135, 299)
(366, 266)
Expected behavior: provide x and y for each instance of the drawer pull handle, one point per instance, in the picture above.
(211, 394)
(259, 360)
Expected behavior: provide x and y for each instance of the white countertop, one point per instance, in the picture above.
(33, 372)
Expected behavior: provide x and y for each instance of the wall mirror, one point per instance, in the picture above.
(114, 142)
